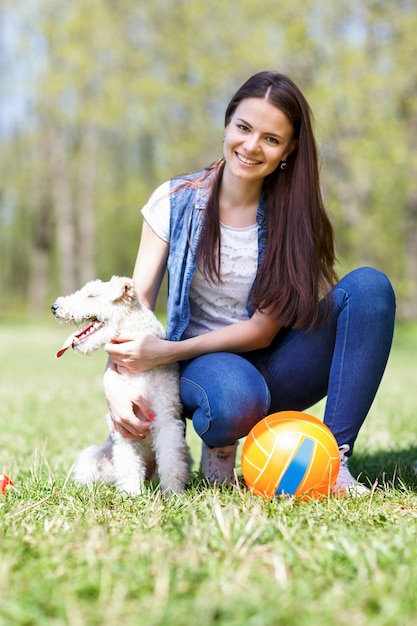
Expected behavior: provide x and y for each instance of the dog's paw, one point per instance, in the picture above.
(130, 487)
(172, 485)
(94, 465)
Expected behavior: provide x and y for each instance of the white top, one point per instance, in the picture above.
(157, 211)
(213, 305)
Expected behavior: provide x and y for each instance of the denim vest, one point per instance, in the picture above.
(187, 206)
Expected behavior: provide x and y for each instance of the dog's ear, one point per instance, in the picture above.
(123, 288)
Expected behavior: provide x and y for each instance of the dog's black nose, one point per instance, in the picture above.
(54, 308)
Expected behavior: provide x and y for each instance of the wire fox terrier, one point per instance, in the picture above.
(108, 309)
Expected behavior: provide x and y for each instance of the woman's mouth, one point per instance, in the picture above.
(247, 161)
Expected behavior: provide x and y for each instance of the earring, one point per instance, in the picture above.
(283, 166)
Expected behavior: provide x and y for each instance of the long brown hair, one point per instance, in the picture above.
(297, 269)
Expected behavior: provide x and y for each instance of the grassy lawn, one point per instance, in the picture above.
(212, 556)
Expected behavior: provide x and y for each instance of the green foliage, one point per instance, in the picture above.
(150, 81)
(70, 556)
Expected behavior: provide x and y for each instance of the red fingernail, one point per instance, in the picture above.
(151, 416)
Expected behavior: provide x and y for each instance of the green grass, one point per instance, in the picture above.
(212, 556)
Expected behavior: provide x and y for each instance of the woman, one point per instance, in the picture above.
(256, 316)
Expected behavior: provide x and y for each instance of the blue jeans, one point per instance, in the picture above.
(226, 394)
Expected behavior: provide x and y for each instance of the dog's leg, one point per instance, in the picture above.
(173, 459)
(129, 465)
(94, 464)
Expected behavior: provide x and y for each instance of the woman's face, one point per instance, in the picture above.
(257, 138)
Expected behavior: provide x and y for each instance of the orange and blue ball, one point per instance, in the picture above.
(290, 453)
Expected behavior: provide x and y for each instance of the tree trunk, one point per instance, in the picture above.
(84, 210)
(410, 304)
(64, 212)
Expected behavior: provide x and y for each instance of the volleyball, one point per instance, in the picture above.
(290, 453)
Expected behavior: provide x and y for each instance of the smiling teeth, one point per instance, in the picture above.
(248, 161)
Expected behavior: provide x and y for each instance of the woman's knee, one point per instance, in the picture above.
(370, 281)
(371, 289)
(225, 396)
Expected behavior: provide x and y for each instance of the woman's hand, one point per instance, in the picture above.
(131, 415)
(137, 353)
(140, 352)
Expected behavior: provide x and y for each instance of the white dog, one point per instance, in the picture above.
(112, 308)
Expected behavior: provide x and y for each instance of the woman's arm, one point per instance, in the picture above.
(142, 352)
(150, 266)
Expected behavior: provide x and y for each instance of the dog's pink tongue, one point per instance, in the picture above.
(67, 344)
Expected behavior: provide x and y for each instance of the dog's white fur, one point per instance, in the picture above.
(112, 308)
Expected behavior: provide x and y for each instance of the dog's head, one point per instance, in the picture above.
(98, 306)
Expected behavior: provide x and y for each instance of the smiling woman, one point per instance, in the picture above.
(258, 137)
(255, 313)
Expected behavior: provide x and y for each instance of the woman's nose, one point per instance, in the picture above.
(252, 144)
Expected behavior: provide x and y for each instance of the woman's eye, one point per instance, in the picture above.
(243, 127)
(272, 140)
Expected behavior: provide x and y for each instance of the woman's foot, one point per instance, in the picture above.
(218, 464)
(345, 483)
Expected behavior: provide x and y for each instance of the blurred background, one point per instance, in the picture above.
(102, 100)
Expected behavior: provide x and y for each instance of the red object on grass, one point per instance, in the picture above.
(5, 483)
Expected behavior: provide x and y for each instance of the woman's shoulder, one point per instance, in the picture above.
(180, 181)
(161, 191)
(193, 179)
(193, 189)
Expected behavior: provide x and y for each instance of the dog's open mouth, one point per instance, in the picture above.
(80, 335)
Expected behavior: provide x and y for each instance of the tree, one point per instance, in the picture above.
(124, 95)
